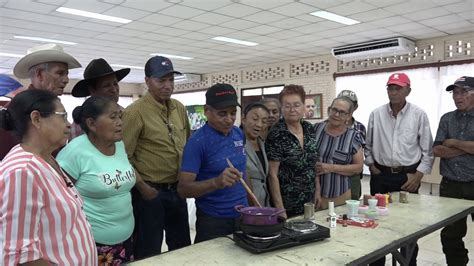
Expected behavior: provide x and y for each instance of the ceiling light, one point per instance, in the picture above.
(83, 13)
(174, 56)
(11, 55)
(126, 66)
(225, 39)
(44, 40)
(180, 78)
(334, 17)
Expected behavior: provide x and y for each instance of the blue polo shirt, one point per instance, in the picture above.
(205, 155)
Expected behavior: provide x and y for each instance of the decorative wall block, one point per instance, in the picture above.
(315, 67)
(423, 53)
(231, 78)
(203, 84)
(264, 73)
(459, 49)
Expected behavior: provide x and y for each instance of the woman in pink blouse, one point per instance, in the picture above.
(41, 216)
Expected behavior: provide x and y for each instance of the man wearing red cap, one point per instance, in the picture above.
(454, 143)
(399, 145)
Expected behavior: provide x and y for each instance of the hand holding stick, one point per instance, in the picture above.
(249, 191)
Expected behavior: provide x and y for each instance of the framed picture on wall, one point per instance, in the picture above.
(196, 116)
(313, 106)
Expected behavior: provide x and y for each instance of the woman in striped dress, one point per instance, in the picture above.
(41, 216)
(340, 149)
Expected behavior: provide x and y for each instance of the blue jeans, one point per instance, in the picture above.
(166, 212)
(452, 235)
(389, 182)
(209, 227)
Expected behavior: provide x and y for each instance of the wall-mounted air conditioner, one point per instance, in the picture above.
(374, 49)
(187, 78)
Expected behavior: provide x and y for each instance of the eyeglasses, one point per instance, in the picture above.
(294, 106)
(463, 92)
(333, 111)
(63, 114)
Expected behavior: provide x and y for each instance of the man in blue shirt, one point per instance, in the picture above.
(205, 173)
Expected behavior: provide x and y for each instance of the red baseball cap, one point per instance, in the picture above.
(400, 79)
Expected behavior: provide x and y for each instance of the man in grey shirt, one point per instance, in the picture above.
(454, 143)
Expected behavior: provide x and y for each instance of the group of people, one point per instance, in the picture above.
(106, 188)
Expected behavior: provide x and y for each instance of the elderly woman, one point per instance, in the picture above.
(341, 152)
(292, 153)
(254, 122)
(98, 163)
(42, 221)
(99, 80)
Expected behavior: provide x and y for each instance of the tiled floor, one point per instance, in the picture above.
(430, 252)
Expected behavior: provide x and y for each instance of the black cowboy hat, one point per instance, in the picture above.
(97, 68)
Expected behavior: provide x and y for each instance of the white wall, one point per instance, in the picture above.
(70, 102)
(428, 90)
(191, 98)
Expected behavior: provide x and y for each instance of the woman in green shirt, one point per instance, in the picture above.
(98, 163)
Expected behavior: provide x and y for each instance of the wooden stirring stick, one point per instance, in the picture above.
(249, 191)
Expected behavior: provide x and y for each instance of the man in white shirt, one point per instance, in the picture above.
(399, 144)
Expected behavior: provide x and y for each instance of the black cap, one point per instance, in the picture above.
(462, 82)
(158, 67)
(221, 95)
(97, 68)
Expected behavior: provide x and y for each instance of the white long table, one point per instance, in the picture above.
(350, 245)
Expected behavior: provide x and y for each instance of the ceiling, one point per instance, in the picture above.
(283, 28)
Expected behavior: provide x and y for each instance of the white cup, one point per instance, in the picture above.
(372, 204)
(352, 208)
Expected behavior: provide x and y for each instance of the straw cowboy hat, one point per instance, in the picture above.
(50, 52)
(97, 68)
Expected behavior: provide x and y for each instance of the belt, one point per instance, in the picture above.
(163, 186)
(398, 169)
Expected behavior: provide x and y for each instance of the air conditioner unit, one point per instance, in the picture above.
(187, 78)
(373, 49)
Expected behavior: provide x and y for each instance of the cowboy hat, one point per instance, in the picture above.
(97, 68)
(50, 52)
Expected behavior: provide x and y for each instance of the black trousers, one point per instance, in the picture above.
(390, 182)
(452, 235)
(208, 227)
(167, 212)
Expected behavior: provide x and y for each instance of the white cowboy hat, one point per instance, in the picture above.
(50, 52)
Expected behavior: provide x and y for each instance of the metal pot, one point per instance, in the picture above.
(259, 216)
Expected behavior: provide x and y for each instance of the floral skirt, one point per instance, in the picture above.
(115, 254)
